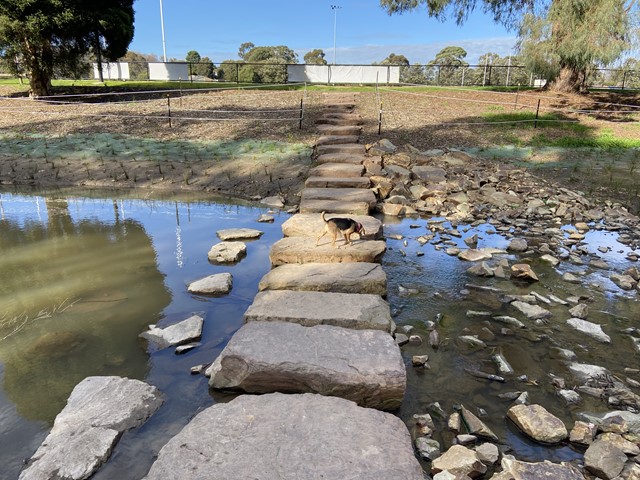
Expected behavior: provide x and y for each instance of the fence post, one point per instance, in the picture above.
(169, 108)
(380, 120)
(180, 84)
(535, 123)
(515, 104)
(301, 105)
(464, 70)
(624, 78)
(237, 74)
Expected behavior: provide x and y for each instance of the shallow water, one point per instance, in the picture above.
(80, 278)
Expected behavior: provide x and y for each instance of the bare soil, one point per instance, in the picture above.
(427, 119)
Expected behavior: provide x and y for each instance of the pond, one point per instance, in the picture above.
(81, 277)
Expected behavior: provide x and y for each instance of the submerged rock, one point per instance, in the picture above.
(592, 329)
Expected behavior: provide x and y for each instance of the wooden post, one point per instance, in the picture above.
(515, 104)
(301, 114)
(535, 123)
(380, 120)
(169, 108)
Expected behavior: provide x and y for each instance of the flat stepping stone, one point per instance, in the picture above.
(339, 129)
(238, 233)
(86, 431)
(227, 252)
(176, 334)
(217, 284)
(364, 366)
(279, 436)
(304, 250)
(340, 157)
(337, 139)
(340, 194)
(337, 182)
(337, 170)
(344, 119)
(336, 206)
(353, 148)
(327, 277)
(311, 225)
(347, 310)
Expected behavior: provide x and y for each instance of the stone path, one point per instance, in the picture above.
(320, 327)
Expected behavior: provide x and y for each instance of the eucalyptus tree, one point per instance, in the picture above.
(315, 57)
(42, 36)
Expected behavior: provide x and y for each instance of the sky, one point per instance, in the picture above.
(364, 32)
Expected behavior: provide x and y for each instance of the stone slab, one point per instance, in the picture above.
(340, 194)
(289, 437)
(339, 129)
(216, 284)
(327, 277)
(337, 170)
(304, 250)
(86, 430)
(176, 334)
(335, 206)
(353, 148)
(308, 308)
(364, 366)
(238, 233)
(311, 225)
(336, 139)
(339, 157)
(337, 182)
(227, 252)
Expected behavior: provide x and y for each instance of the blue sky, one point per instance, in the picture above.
(365, 33)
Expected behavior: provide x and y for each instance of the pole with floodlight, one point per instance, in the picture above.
(164, 45)
(335, 22)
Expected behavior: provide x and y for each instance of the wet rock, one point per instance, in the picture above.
(227, 252)
(454, 422)
(238, 233)
(584, 372)
(532, 312)
(516, 470)
(488, 453)
(176, 334)
(625, 282)
(275, 202)
(476, 426)
(570, 278)
(304, 250)
(474, 255)
(536, 422)
(523, 271)
(629, 448)
(262, 436)
(550, 259)
(583, 433)
(604, 459)
(419, 360)
(459, 460)
(481, 270)
(311, 225)
(98, 410)
(592, 329)
(264, 218)
(217, 284)
(518, 245)
(401, 339)
(428, 448)
(579, 311)
(570, 397)
(599, 264)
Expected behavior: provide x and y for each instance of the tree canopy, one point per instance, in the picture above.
(42, 35)
(394, 59)
(315, 57)
(249, 70)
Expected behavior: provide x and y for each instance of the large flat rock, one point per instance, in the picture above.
(353, 148)
(351, 158)
(335, 206)
(304, 250)
(364, 366)
(289, 437)
(327, 277)
(340, 194)
(336, 139)
(339, 129)
(348, 310)
(337, 182)
(337, 170)
(311, 225)
(99, 409)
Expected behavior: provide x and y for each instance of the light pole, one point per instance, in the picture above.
(164, 45)
(335, 20)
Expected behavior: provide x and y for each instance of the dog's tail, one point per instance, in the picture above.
(322, 217)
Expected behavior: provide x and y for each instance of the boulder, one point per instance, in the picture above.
(523, 271)
(430, 174)
(348, 310)
(583, 433)
(84, 433)
(274, 202)
(217, 284)
(360, 365)
(584, 372)
(238, 233)
(176, 334)
(536, 422)
(459, 460)
(227, 252)
(518, 245)
(356, 277)
(476, 426)
(345, 195)
(311, 225)
(532, 312)
(304, 250)
(592, 329)
(300, 436)
(604, 459)
(516, 470)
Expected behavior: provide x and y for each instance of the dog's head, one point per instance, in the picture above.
(360, 230)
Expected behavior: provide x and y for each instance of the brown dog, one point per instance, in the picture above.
(345, 226)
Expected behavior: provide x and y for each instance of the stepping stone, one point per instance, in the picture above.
(304, 250)
(339, 119)
(311, 225)
(337, 139)
(216, 284)
(227, 252)
(337, 170)
(353, 148)
(340, 194)
(337, 182)
(327, 277)
(336, 206)
(176, 334)
(347, 310)
(339, 129)
(238, 233)
(350, 158)
(289, 436)
(364, 366)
